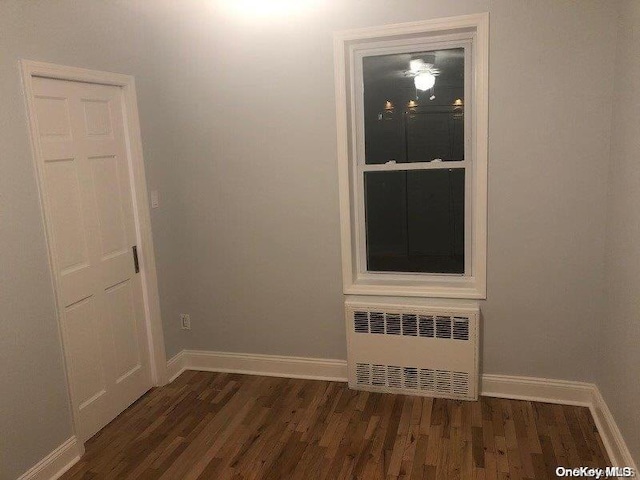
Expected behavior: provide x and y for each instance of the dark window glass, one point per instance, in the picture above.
(415, 221)
(406, 122)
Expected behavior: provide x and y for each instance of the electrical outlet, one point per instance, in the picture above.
(185, 321)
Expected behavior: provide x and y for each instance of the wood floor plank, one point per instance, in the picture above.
(225, 426)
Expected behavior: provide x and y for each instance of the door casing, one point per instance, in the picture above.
(153, 323)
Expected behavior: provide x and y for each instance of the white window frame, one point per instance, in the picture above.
(472, 33)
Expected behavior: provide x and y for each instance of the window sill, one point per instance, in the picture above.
(462, 287)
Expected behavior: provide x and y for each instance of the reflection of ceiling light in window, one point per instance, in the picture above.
(458, 102)
(416, 65)
(424, 74)
(424, 81)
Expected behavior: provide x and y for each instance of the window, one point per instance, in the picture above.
(412, 132)
(414, 161)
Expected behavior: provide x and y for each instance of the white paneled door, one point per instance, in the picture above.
(87, 194)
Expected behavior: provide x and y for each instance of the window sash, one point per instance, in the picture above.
(394, 167)
(360, 167)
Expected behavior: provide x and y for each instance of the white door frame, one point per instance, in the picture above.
(153, 322)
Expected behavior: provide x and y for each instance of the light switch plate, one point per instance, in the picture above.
(155, 201)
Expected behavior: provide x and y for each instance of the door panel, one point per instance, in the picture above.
(122, 316)
(97, 117)
(53, 117)
(84, 341)
(89, 211)
(113, 234)
(65, 204)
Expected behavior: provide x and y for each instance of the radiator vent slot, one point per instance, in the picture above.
(393, 323)
(361, 322)
(411, 377)
(443, 327)
(363, 374)
(460, 328)
(394, 377)
(441, 382)
(409, 325)
(427, 380)
(427, 327)
(379, 375)
(412, 325)
(460, 383)
(377, 322)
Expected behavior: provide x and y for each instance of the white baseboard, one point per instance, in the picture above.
(537, 389)
(610, 433)
(268, 365)
(56, 463)
(502, 386)
(175, 366)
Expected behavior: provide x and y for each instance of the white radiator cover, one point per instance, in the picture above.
(413, 346)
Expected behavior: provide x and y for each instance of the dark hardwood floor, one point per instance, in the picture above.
(229, 426)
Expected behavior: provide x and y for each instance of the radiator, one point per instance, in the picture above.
(414, 348)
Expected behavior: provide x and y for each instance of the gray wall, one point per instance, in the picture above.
(238, 129)
(261, 224)
(620, 330)
(548, 149)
